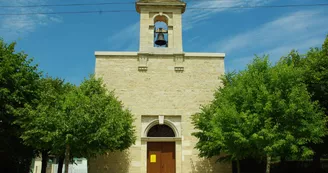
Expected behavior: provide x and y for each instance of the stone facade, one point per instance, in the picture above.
(160, 84)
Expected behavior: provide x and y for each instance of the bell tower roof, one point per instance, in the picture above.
(162, 3)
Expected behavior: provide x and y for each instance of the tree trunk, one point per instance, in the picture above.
(60, 163)
(67, 158)
(238, 166)
(44, 161)
(283, 164)
(268, 164)
(316, 162)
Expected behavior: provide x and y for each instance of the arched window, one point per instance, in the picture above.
(161, 31)
(160, 131)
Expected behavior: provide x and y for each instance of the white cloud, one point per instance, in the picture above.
(296, 26)
(299, 30)
(193, 16)
(15, 26)
(282, 50)
(193, 39)
(126, 39)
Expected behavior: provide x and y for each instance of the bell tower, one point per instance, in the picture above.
(160, 25)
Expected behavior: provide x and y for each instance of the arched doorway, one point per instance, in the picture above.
(161, 155)
(160, 131)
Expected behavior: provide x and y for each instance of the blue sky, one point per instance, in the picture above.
(64, 45)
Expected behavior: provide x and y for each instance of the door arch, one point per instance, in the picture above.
(160, 131)
(156, 123)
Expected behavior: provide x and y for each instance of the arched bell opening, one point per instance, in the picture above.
(161, 31)
(161, 131)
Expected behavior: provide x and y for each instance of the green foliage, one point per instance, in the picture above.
(40, 122)
(88, 118)
(315, 66)
(263, 110)
(18, 86)
(95, 121)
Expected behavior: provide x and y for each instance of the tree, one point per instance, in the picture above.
(315, 65)
(263, 111)
(95, 121)
(40, 122)
(18, 86)
(76, 121)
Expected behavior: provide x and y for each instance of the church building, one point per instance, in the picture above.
(162, 86)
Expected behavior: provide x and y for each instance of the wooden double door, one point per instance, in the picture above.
(161, 157)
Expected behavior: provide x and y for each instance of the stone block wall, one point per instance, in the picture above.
(160, 90)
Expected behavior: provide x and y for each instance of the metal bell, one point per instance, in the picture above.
(160, 39)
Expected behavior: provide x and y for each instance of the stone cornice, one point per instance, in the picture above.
(110, 53)
(174, 4)
(205, 54)
(189, 55)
